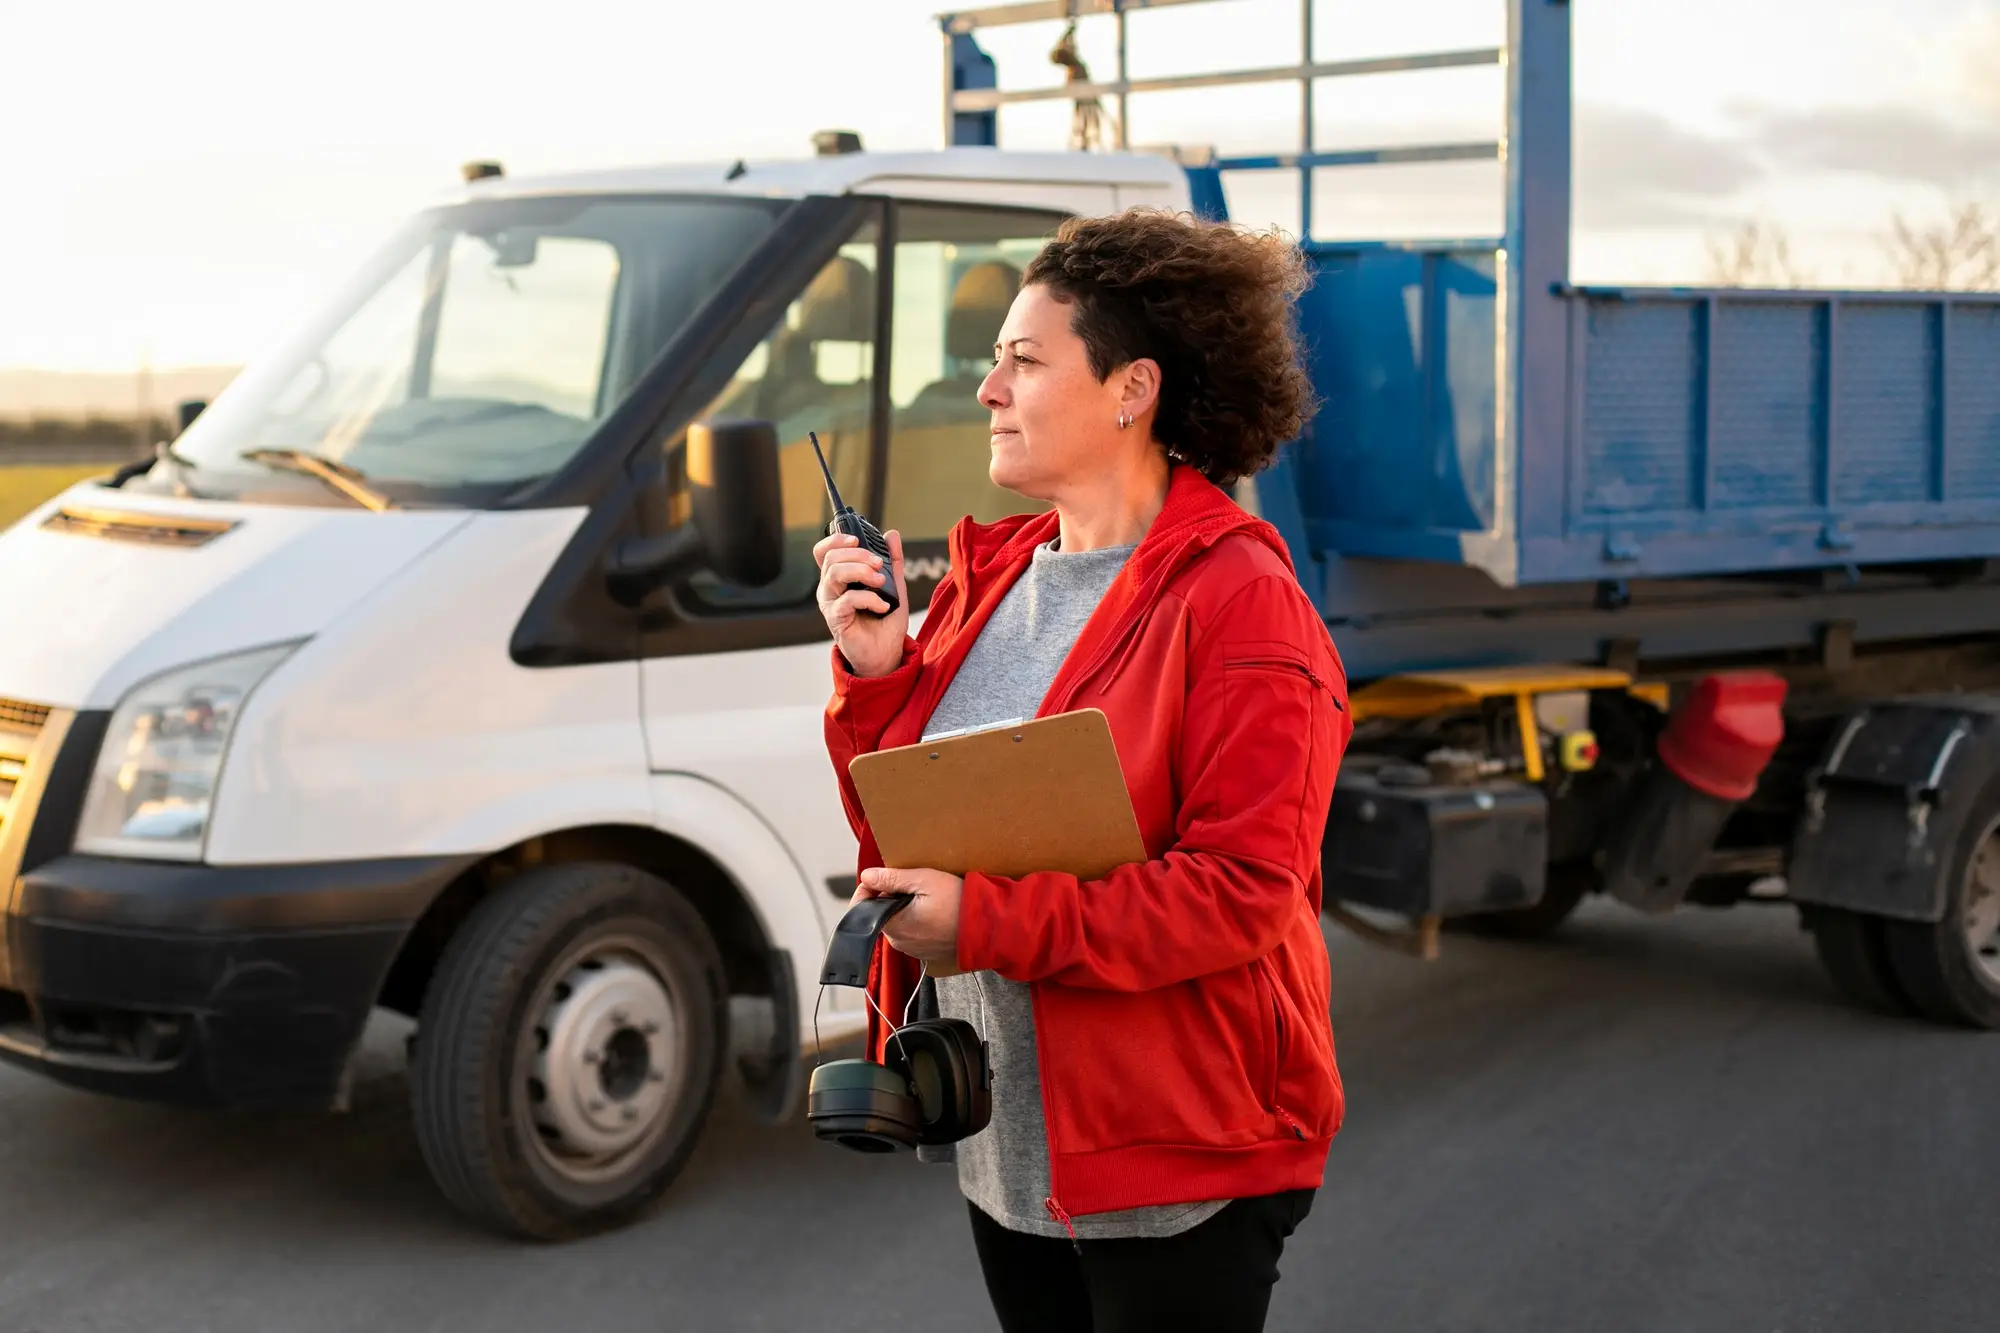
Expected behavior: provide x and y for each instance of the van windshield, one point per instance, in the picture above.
(476, 351)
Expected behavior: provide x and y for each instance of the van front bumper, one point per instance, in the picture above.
(235, 986)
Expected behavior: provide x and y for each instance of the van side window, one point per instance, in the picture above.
(957, 270)
(813, 372)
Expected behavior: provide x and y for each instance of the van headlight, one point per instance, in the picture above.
(155, 778)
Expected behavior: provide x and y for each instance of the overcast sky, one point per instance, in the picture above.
(175, 180)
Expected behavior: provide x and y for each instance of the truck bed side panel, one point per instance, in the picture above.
(1708, 432)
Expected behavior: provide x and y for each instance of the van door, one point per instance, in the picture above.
(882, 356)
(735, 680)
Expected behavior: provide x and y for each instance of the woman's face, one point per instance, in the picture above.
(1054, 423)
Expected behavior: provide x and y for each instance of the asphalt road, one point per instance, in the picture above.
(1645, 1126)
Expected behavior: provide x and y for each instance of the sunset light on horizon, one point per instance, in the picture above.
(185, 180)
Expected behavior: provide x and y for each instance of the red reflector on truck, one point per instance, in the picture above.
(1725, 732)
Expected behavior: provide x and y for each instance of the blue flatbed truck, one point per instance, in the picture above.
(1533, 509)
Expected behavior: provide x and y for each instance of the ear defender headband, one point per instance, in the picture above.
(934, 1086)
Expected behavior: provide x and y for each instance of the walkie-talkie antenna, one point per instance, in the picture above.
(832, 491)
(870, 537)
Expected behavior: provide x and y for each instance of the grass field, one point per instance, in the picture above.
(22, 488)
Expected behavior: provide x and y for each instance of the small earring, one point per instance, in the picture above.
(1123, 421)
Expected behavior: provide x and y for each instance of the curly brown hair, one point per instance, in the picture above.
(1213, 304)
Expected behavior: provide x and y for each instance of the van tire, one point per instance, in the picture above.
(1854, 951)
(569, 973)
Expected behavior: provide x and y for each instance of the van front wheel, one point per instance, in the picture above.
(569, 1050)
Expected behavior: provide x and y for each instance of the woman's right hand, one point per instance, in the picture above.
(872, 644)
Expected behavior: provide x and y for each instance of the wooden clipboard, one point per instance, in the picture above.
(1009, 800)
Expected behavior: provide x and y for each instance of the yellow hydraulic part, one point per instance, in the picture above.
(1531, 735)
(1428, 693)
(1653, 692)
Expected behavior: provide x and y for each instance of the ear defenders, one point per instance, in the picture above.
(934, 1085)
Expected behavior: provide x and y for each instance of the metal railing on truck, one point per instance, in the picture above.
(973, 98)
(1483, 411)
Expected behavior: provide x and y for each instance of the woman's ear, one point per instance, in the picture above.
(1140, 393)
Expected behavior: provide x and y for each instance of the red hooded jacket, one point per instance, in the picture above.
(1180, 1003)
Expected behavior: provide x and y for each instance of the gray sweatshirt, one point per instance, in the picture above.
(1004, 1169)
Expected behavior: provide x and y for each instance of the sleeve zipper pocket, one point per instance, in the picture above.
(1285, 664)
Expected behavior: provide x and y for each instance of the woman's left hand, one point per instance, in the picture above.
(928, 928)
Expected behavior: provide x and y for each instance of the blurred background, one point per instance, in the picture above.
(182, 179)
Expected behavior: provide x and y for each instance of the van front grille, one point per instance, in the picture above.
(28, 718)
(13, 768)
(20, 724)
(30, 736)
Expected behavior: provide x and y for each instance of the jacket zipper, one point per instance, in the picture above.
(1289, 664)
(1143, 600)
(1298, 1130)
(1056, 1211)
(1278, 1051)
(1270, 988)
(1118, 646)
(1278, 1055)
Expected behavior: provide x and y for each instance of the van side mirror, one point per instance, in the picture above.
(188, 411)
(736, 517)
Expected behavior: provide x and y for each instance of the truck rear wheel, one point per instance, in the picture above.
(569, 1050)
(1855, 953)
(1951, 969)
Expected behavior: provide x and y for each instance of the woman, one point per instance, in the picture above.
(1164, 1088)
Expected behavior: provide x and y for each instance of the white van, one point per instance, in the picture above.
(410, 678)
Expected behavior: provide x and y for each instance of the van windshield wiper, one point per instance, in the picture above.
(350, 482)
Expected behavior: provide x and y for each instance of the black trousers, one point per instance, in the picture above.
(1213, 1278)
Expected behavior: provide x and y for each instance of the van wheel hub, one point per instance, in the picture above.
(605, 1069)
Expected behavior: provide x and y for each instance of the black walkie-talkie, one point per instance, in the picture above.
(847, 521)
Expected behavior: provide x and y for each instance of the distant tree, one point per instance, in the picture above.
(92, 435)
(1756, 254)
(1958, 252)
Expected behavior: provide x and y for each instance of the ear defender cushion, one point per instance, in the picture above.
(979, 1114)
(862, 1105)
(946, 1064)
(934, 1065)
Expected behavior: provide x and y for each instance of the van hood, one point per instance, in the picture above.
(100, 589)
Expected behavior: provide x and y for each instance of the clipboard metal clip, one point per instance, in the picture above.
(973, 731)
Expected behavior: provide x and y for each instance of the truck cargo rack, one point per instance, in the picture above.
(973, 98)
(1483, 411)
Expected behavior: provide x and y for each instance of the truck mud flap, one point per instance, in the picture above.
(1890, 802)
